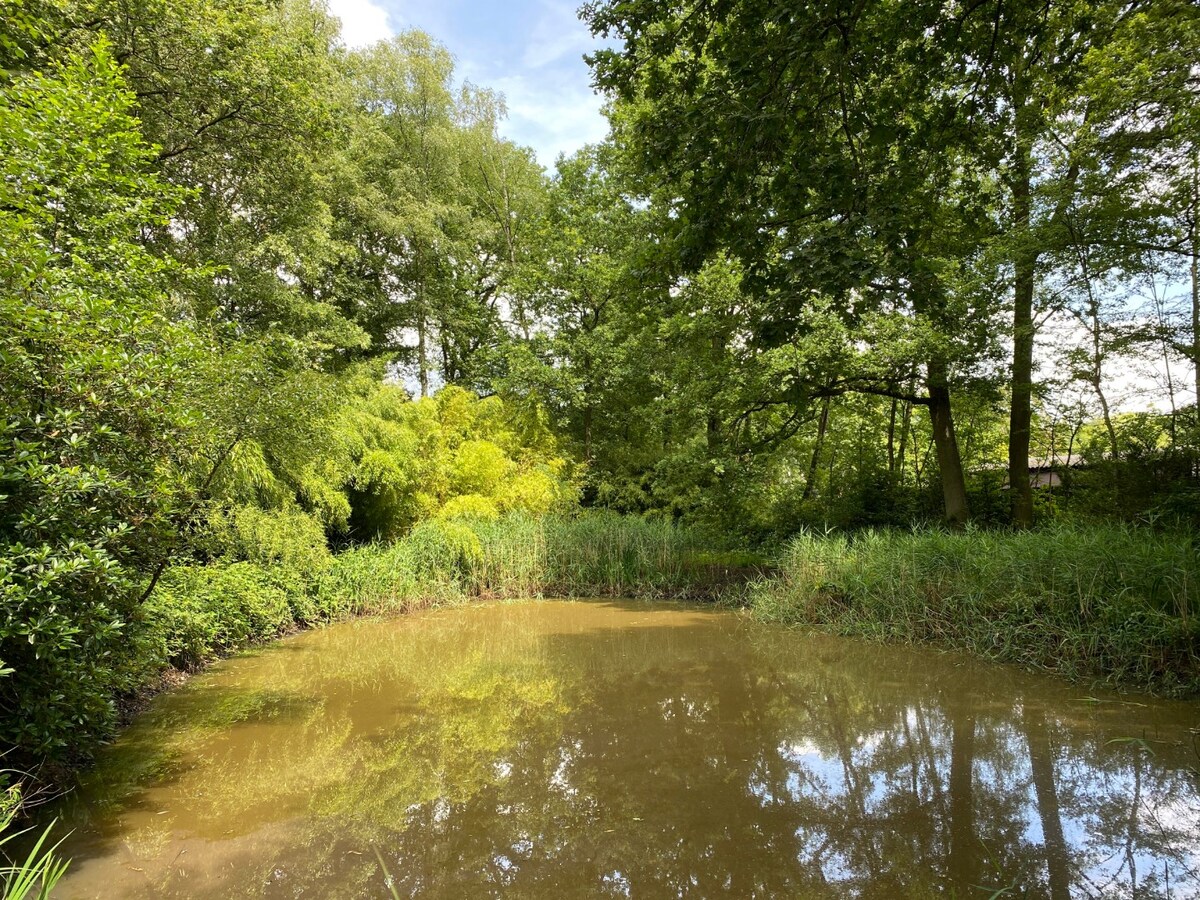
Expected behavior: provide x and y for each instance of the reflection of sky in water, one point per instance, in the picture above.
(558, 749)
(1101, 869)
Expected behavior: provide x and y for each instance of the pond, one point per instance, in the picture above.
(628, 749)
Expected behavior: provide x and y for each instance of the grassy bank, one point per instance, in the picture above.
(1103, 602)
(206, 611)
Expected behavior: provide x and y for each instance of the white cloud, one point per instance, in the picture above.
(558, 33)
(532, 54)
(550, 119)
(363, 22)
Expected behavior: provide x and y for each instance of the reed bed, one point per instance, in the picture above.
(1111, 602)
(583, 555)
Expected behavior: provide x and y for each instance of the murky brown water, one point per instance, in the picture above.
(598, 749)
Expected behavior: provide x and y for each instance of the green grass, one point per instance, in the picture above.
(586, 555)
(33, 874)
(1108, 601)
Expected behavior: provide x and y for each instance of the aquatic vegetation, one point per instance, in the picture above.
(1112, 602)
(33, 875)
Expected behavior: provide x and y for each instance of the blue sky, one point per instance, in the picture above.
(529, 50)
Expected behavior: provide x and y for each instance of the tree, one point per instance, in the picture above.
(1072, 104)
(819, 147)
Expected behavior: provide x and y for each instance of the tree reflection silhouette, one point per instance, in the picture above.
(606, 749)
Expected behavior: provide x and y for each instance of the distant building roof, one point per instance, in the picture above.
(1041, 463)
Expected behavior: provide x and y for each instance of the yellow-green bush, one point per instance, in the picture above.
(470, 506)
(398, 462)
(534, 492)
(287, 537)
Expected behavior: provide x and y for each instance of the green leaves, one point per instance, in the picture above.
(88, 418)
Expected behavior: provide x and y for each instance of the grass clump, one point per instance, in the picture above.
(520, 556)
(203, 612)
(1107, 601)
(33, 874)
(591, 555)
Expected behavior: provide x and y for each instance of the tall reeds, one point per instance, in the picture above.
(1105, 601)
(587, 555)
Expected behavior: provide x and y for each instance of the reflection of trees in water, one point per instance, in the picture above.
(702, 760)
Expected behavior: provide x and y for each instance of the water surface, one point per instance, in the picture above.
(599, 749)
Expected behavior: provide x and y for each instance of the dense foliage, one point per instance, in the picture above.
(202, 283)
(919, 195)
(1099, 602)
(289, 331)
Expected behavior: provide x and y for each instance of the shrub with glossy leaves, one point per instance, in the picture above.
(89, 433)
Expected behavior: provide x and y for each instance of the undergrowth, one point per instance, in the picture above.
(1103, 601)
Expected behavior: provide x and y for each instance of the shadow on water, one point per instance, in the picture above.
(623, 749)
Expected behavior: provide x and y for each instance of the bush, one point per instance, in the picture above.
(90, 429)
(289, 538)
(201, 612)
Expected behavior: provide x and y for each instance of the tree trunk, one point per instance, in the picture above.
(822, 425)
(1020, 490)
(1195, 241)
(587, 431)
(1041, 763)
(954, 486)
(1096, 327)
(891, 439)
(905, 431)
(713, 434)
(422, 355)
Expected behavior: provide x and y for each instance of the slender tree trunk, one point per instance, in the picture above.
(963, 862)
(1041, 763)
(1164, 344)
(713, 425)
(1025, 264)
(905, 430)
(422, 355)
(954, 486)
(450, 367)
(891, 440)
(510, 239)
(587, 410)
(1095, 326)
(1195, 242)
(810, 480)
(422, 327)
(1113, 445)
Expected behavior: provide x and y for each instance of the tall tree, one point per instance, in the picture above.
(816, 145)
(1068, 101)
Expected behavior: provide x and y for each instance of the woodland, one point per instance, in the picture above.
(869, 315)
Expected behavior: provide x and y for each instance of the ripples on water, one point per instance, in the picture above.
(559, 749)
